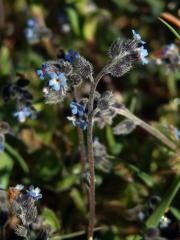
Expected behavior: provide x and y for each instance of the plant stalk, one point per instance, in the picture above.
(153, 131)
(91, 155)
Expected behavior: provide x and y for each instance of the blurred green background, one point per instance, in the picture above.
(44, 151)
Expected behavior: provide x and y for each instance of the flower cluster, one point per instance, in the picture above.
(124, 53)
(23, 98)
(168, 57)
(18, 205)
(34, 32)
(62, 75)
(78, 117)
(23, 208)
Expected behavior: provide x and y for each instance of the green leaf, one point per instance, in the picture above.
(74, 20)
(142, 175)
(175, 212)
(89, 28)
(17, 157)
(66, 183)
(170, 28)
(51, 219)
(153, 220)
(78, 200)
(6, 165)
(5, 61)
(114, 147)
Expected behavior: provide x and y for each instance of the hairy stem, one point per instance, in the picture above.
(153, 131)
(82, 155)
(91, 155)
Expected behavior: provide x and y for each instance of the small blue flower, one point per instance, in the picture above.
(57, 81)
(34, 193)
(22, 114)
(177, 133)
(1, 143)
(137, 36)
(143, 54)
(71, 56)
(43, 72)
(82, 124)
(78, 122)
(19, 187)
(78, 118)
(31, 22)
(77, 109)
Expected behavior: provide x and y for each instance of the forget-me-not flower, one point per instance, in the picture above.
(34, 193)
(43, 72)
(177, 133)
(19, 187)
(71, 56)
(77, 109)
(78, 118)
(57, 81)
(143, 54)
(1, 143)
(22, 114)
(137, 36)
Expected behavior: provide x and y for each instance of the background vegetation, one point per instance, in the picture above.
(44, 152)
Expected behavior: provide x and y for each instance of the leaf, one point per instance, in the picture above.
(175, 212)
(89, 28)
(170, 28)
(51, 219)
(114, 147)
(66, 183)
(78, 200)
(6, 165)
(142, 175)
(153, 220)
(74, 20)
(17, 157)
(5, 61)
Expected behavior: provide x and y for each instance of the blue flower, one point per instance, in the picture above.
(137, 36)
(177, 133)
(78, 122)
(77, 109)
(22, 114)
(31, 22)
(34, 193)
(57, 81)
(82, 124)
(1, 143)
(71, 56)
(19, 187)
(143, 54)
(78, 118)
(31, 31)
(43, 72)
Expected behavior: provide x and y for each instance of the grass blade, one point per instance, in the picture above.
(18, 157)
(153, 220)
(170, 28)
